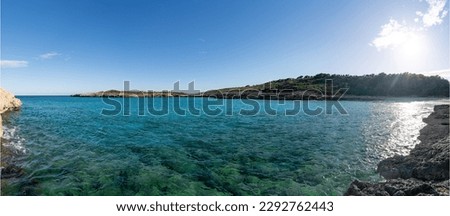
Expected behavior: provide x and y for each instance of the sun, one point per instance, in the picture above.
(414, 46)
(413, 51)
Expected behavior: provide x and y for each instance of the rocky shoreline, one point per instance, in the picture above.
(425, 171)
(8, 102)
(236, 94)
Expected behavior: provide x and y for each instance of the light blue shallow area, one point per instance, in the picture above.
(65, 146)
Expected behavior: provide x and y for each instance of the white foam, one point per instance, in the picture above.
(13, 140)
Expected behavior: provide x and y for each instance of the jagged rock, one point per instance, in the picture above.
(425, 163)
(424, 172)
(397, 187)
(8, 101)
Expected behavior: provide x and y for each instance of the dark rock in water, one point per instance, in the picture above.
(398, 187)
(11, 171)
(424, 172)
(358, 188)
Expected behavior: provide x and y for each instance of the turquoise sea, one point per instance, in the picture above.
(65, 146)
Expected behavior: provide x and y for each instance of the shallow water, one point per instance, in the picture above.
(65, 146)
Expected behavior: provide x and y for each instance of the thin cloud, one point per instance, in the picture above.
(13, 64)
(394, 33)
(49, 55)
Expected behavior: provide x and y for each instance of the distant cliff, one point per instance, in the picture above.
(7, 103)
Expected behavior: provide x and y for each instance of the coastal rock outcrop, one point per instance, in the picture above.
(8, 102)
(425, 171)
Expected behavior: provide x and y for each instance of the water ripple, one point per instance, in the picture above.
(70, 149)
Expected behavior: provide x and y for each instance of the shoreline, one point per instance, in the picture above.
(424, 172)
(8, 103)
(256, 96)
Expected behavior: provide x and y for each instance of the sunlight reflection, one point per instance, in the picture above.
(399, 135)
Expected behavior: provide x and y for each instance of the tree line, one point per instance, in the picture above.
(397, 85)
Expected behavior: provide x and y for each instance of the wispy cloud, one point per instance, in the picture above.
(435, 13)
(49, 55)
(13, 63)
(395, 33)
(392, 35)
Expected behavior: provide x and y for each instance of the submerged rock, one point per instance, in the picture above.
(425, 171)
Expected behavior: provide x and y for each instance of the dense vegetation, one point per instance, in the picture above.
(405, 84)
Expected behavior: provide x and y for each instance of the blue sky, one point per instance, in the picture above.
(65, 47)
